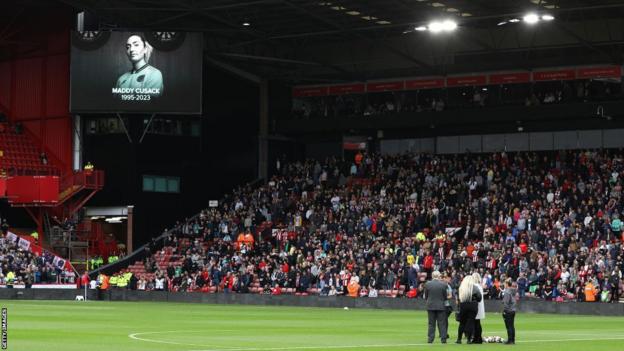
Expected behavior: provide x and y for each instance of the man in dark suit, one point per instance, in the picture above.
(436, 295)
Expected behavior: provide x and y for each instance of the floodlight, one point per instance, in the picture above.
(442, 26)
(449, 25)
(531, 18)
(435, 27)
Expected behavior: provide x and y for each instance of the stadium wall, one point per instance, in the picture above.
(538, 141)
(524, 306)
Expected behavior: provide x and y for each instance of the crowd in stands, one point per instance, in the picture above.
(20, 266)
(551, 221)
(384, 103)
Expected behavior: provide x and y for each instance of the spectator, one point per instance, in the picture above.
(544, 219)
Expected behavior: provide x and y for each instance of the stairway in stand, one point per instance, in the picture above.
(163, 258)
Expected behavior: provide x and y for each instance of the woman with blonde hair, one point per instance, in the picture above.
(478, 333)
(469, 297)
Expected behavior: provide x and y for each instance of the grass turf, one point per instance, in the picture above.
(106, 326)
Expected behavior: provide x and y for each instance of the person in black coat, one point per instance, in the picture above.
(469, 297)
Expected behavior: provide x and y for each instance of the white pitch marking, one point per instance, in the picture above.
(380, 345)
(134, 336)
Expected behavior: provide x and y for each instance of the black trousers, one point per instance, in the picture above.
(509, 318)
(478, 333)
(441, 319)
(615, 294)
(467, 313)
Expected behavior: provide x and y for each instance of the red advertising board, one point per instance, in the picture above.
(385, 86)
(33, 189)
(309, 91)
(48, 189)
(600, 72)
(563, 74)
(2, 187)
(22, 189)
(353, 145)
(347, 89)
(432, 83)
(507, 78)
(466, 80)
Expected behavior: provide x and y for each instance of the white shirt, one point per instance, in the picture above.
(335, 201)
(565, 276)
(550, 197)
(481, 311)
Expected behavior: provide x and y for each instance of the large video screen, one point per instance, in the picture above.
(138, 72)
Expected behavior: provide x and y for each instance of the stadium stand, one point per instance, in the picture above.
(24, 265)
(461, 98)
(550, 220)
(20, 155)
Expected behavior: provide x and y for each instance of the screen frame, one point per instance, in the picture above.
(200, 111)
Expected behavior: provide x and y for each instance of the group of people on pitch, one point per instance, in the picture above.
(470, 308)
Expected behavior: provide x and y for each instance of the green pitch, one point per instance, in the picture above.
(120, 326)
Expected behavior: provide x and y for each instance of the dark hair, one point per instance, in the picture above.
(148, 48)
(140, 36)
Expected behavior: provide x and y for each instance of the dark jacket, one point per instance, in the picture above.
(509, 300)
(435, 293)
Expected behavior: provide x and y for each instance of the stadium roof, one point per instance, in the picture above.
(308, 41)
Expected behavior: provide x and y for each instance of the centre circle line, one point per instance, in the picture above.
(135, 336)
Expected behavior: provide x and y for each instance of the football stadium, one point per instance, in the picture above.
(256, 175)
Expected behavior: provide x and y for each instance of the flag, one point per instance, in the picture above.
(451, 230)
(11, 237)
(58, 262)
(24, 244)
